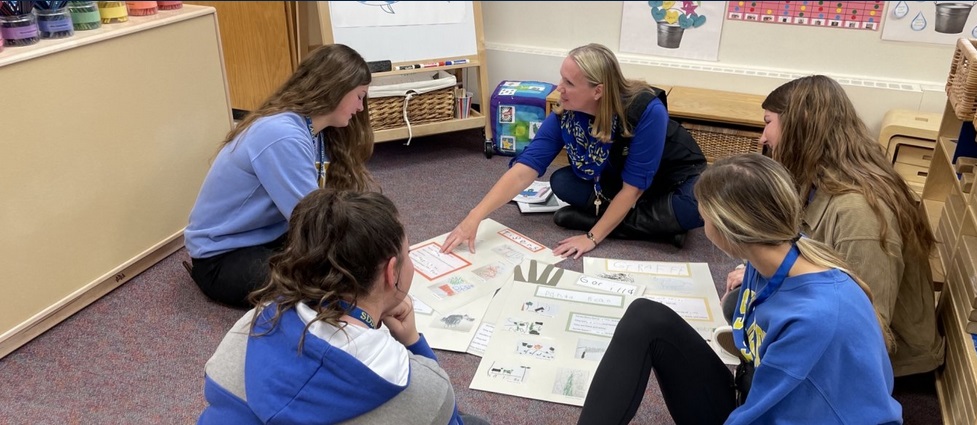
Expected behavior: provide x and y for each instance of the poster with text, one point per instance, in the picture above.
(682, 29)
(452, 290)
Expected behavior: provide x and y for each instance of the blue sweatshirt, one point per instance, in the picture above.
(820, 356)
(644, 153)
(253, 185)
(321, 384)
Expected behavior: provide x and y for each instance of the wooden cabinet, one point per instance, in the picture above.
(909, 139)
(950, 213)
(101, 165)
(263, 42)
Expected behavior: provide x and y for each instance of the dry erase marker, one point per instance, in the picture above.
(406, 67)
(456, 62)
(430, 65)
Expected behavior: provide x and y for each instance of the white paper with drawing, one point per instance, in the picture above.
(454, 289)
(548, 340)
(686, 288)
(530, 271)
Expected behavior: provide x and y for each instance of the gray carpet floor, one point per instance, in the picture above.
(137, 355)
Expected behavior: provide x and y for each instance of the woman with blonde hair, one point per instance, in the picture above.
(813, 346)
(333, 337)
(313, 131)
(857, 204)
(631, 169)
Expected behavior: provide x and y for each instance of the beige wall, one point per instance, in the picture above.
(878, 75)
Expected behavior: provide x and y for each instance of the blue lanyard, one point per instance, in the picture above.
(358, 314)
(751, 276)
(321, 143)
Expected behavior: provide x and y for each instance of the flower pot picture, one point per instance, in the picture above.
(673, 20)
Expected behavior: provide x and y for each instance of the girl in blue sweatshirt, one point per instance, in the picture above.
(333, 338)
(313, 131)
(805, 327)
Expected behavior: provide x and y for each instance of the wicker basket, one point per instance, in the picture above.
(428, 97)
(961, 84)
(388, 112)
(719, 142)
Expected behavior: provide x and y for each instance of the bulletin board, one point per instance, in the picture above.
(865, 15)
(401, 31)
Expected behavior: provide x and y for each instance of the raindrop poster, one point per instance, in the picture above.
(939, 22)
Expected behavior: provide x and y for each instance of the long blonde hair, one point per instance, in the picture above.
(825, 145)
(752, 200)
(600, 66)
(317, 87)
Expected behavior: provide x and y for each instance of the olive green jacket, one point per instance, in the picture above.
(901, 284)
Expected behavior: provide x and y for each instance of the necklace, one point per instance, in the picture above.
(321, 164)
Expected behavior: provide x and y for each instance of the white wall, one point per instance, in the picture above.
(527, 40)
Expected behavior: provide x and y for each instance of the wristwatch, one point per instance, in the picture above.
(590, 235)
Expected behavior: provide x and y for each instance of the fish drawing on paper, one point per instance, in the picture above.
(386, 6)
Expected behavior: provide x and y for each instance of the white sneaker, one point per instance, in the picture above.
(723, 337)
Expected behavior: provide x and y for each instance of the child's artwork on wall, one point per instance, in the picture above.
(683, 29)
(939, 22)
(865, 15)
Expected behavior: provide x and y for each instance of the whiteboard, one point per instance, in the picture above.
(391, 37)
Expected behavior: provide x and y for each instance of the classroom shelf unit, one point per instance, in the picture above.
(950, 213)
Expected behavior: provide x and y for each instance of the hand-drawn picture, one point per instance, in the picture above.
(507, 113)
(541, 308)
(536, 350)
(533, 128)
(684, 29)
(450, 287)
(507, 143)
(571, 382)
(620, 276)
(522, 326)
(454, 322)
(590, 349)
(549, 275)
(492, 271)
(940, 22)
(515, 374)
(351, 14)
(509, 254)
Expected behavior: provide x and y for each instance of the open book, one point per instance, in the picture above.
(551, 205)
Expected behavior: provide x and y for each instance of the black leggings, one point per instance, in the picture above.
(229, 277)
(696, 385)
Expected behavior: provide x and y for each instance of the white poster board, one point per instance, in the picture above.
(403, 31)
(452, 291)
(548, 340)
(686, 288)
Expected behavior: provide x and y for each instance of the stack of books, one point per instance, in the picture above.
(538, 198)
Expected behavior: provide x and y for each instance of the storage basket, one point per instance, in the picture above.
(718, 142)
(427, 97)
(961, 84)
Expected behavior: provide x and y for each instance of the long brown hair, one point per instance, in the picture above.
(338, 243)
(317, 87)
(825, 145)
(600, 66)
(752, 200)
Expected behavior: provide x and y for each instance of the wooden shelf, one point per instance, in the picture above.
(475, 120)
(472, 63)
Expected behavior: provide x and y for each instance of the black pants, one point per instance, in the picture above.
(229, 277)
(696, 385)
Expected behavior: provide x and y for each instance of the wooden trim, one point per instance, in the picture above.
(78, 300)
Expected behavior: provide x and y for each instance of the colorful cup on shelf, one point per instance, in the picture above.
(141, 8)
(54, 23)
(169, 5)
(19, 30)
(113, 12)
(84, 15)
